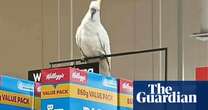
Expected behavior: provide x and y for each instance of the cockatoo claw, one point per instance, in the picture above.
(102, 57)
(83, 59)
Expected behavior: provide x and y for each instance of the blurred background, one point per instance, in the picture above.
(35, 32)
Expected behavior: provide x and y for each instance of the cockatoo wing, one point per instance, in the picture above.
(105, 43)
(78, 40)
(78, 37)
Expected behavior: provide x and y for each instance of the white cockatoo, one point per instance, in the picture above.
(92, 38)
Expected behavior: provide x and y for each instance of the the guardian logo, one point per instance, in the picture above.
(164, 94)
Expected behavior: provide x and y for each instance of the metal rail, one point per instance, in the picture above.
(121, 54)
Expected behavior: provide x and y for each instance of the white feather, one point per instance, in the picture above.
(92, 38)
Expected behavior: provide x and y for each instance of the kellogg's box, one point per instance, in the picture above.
(125, 94)
(202, 73)
(37, 103)
(74, 89)
(16, 94)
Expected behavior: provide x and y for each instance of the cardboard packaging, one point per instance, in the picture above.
(16, 94)
(125, 94)
(202, 73)
(35, 75)
(74, 89)
(37, 103)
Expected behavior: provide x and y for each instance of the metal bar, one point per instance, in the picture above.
(111, 55)
(121, 54)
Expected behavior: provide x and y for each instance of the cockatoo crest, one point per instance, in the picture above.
(95, 4)
(94, 10)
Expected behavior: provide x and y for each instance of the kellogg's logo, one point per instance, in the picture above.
(79, 76)
(37, 89)
(54, 76)
(126, 86)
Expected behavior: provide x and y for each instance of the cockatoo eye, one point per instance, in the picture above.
(93, 11)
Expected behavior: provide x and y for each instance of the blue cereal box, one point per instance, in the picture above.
(74, 89)
(16, 94)
(125, 94)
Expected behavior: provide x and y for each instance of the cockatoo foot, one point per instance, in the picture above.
(102, 57)
(83, 59)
